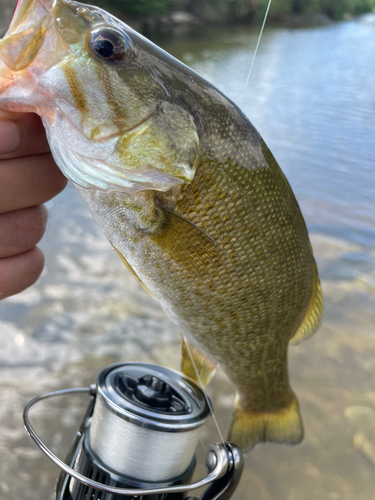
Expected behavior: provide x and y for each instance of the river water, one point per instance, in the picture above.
(311, 95)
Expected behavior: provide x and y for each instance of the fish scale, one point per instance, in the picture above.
(250, 313)
(185, 190)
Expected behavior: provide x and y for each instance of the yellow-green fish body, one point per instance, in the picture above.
(186, 191)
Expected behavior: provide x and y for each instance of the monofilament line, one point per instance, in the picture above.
(256, 50)
(204, 390)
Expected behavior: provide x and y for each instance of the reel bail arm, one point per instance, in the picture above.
(224, 461)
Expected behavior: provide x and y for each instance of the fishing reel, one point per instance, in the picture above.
(138, 440)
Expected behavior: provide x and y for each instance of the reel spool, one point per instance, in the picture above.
(138, 439)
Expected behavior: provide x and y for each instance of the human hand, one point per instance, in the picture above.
(28, 178)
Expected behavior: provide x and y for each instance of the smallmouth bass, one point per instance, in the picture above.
(186, 191)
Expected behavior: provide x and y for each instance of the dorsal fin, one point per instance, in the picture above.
(313, 315)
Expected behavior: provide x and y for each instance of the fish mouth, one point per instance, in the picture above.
(93, 149)
(27, 13)
(16, 9)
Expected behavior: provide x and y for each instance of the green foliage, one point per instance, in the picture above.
(335, 9)
(218, 11)
(338, 8)
(136, 8)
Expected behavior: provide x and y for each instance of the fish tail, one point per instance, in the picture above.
(279, 426)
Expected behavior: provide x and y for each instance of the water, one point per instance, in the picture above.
(311, 96)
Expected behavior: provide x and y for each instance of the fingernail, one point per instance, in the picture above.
(10, 137)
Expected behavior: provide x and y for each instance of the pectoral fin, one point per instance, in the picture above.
(187, 245)
(194, 364)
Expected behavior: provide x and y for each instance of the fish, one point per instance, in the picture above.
(187, 193)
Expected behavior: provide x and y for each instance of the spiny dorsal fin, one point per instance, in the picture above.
(187, 245)
(203, 365)
(313, 315)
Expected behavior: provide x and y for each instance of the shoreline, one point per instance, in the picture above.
(177, 22)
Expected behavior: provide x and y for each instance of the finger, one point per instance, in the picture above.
(21, 230)
(29, 181)
(19, 272)
(21, 134)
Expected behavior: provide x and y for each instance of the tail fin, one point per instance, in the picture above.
(278, 426)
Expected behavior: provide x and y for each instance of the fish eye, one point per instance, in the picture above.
(109, 45)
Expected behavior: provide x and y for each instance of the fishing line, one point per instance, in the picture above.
(186, 343)
(40, 3)
(204, 390)
(256, 50)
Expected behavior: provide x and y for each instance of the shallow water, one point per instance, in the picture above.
(311, 96)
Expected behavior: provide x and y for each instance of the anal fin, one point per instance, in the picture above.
(278, 426)
(194, 363)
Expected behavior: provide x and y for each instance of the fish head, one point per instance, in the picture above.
(111, 120)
